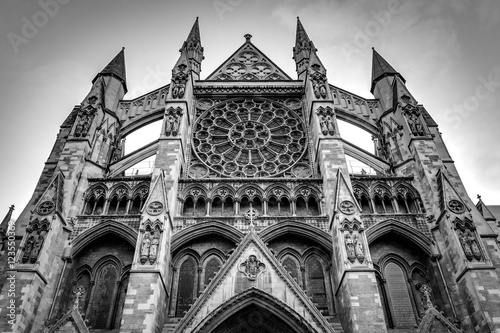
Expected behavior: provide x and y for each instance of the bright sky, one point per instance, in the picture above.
(448, 51)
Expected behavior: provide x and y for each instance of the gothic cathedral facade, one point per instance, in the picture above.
(251, 220)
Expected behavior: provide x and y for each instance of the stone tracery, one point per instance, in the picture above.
(265, 139)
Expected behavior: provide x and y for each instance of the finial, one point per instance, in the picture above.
(248, 37)
(373, 48)
(479, 197)
(123, 48)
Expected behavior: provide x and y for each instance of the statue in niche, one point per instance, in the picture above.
(358, 249)
(349, 245)
(426, 295)
(37, 245)
(324, 125)
(172, 121)
(153, 250)
(83, 125)
(473, 245)
(465, 245)
(28, 247)
(145, 246)
(415, 124)
(331, 127)
(179, 82)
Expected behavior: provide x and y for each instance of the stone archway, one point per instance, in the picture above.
(254, 311)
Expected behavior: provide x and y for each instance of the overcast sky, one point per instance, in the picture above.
(448, 51)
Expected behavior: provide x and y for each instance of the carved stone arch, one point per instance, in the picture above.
(396, 258)
(204, 229)
(408, 187)
(363, 189)
(182, 254)
(300, 229)
(270, 192)
(137, 189)
(417, 266)
(194, 191)
(125, 270)
(115, 188)
(316, 251)
(305, 192)
(237, 311)
(213, 252)
(216, 192)
(392, 226)
(384, 189)
(104, 228)
(92, 190)
(290, 251)
(244, 191)
(141, 121)
(81, 270)
(104, 261)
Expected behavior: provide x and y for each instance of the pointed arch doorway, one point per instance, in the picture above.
(254, 311)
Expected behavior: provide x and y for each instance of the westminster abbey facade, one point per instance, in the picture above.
(251, 220)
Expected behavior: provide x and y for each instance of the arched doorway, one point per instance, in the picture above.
(254, 310)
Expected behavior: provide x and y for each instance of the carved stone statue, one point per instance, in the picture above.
(358, 249)
(37, 246)
(476, 252)
(324, 125)
(465, 245)
(28, 247)
(349, 245)
(252, 267)
(153, 250)
(146, 244)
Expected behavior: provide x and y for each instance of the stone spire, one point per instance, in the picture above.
(115, 68)
(381, 68)
(5, 223)
(192, 49)
(303, 46)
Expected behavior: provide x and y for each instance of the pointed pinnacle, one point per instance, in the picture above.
(301, 35)
(194, 34)
(116, 68)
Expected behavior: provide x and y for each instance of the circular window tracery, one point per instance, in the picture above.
(249, 138)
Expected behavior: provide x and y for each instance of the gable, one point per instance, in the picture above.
(252, 266)
(248, 63)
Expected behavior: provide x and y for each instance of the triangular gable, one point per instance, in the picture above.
(435, 322)
(52, 198)
(345, 202)
(70, 322)
(248, 63)
(156, 202)
(252, 265)
(449, 199)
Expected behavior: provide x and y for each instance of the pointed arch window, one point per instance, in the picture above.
(188, 207)
(316, 284)
(228, 207)
(186, 287)
(397, 289)
(216, 207)
(301, 207)
(292, 268)
(101, 305)
(212, 266)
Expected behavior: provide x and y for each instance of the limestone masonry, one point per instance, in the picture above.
(251, 219)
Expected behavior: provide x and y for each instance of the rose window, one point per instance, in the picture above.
(249, 138)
